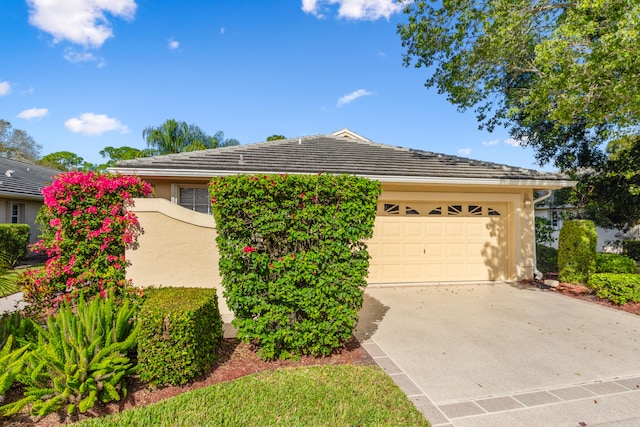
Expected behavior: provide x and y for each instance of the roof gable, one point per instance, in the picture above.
(24, 180)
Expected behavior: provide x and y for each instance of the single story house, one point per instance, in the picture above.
(21, 187)
(440, 218)
(607, 237)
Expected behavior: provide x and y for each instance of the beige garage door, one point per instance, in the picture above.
(439, 242)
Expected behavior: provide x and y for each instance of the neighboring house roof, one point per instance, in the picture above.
(24, 180)
(343, 152)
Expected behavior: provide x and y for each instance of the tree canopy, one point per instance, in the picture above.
(17, 144)
(65, 161)
(114, 154)
(561, 75)
(611, 196)
(178, 136)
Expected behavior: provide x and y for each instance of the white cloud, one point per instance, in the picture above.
(29, 91)
(354, 9)
(353, 96)
(513, 142)
(492, 142)
(173, 44)
(464, 151)
(5, 88)
(94, 124)
(74, 56)
(222, 30)
(33, 113)
(81, 22)
(311, 6)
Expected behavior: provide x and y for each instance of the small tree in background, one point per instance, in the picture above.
(544, 231)
(87, 228)
(275, 137)
(292, 257)
(577, 251)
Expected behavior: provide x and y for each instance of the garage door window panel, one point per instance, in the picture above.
(433, 242)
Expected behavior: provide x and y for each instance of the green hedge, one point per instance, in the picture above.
(547, 259)
(631, 249)
(614, 263)
(577, 251)
(617, 288)
(180, 330)
(14, 241)
(293, 259)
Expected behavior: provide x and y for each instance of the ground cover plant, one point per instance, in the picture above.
(85, 229)
(618, 288)
(314, 396)
(11, 363)
(80, 357)
(292, 257)
(615, 263)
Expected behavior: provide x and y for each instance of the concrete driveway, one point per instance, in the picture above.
(505, 355)
(11, 303)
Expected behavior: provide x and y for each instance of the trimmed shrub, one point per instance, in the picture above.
(631, 248)
(88, 229)
(547, 259)
(617, 288)
(14, 242)
(293, 259)
(80, 357)
(577, 251)
(614, 263)
(180, 330)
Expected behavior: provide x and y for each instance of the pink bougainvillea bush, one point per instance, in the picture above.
(85, 229)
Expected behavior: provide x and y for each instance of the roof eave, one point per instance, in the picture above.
(20, 196)
(539, 183)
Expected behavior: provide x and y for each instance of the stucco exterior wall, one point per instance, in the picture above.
(177, 248)
(31, 208)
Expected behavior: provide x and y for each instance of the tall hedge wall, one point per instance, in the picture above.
(577, 246)
(292, 257)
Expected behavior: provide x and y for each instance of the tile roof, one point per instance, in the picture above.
(23, 180)
(330, 154)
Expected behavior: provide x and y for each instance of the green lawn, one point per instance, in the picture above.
(342, 395)
(7, 283)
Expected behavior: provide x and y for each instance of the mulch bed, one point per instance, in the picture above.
(235, 360)
(586, 294)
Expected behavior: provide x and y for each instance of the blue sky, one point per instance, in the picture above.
(80, 75)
